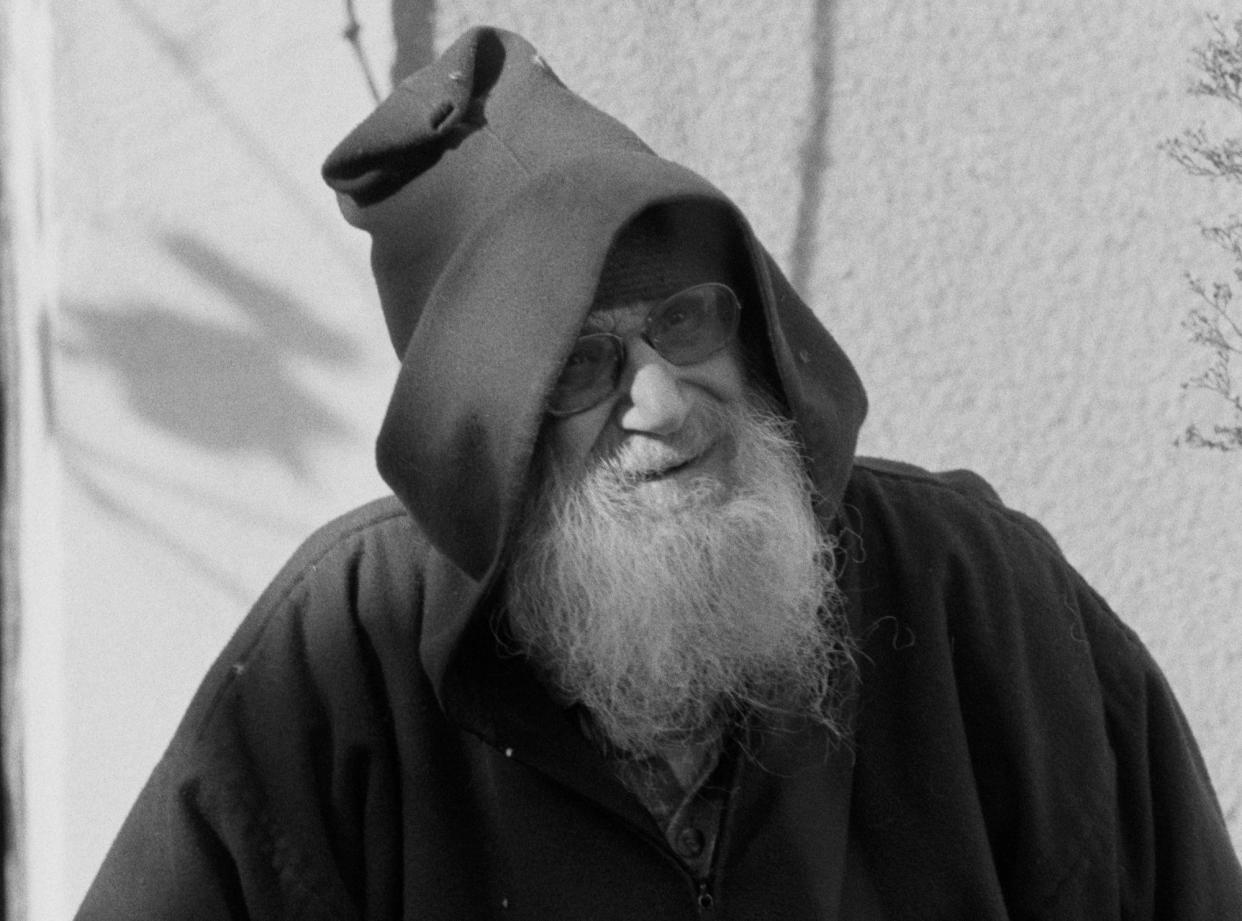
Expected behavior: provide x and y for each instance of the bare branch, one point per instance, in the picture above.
(1219, 62)
(1201, 156)
(1211, 323)
(352, 33)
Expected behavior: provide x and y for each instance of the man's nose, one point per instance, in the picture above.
(657, 404)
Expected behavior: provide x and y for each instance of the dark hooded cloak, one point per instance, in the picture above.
(362, 748)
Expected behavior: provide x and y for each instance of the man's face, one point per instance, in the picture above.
(671, 574)
(652, 413)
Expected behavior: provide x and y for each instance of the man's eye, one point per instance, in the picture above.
(680, 325)
(587, 354)
(589, 359)
(680, 317)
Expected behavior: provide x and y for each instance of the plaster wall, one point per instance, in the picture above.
(969, 194)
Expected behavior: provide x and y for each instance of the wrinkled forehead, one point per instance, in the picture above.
(665, 249)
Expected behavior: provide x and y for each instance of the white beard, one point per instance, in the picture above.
(670, 607)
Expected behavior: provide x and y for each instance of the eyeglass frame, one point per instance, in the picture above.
(620, 352)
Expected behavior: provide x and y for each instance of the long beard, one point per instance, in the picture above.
(670, 608)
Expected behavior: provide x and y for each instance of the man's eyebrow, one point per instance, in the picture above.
(600, 321)
(608, 319)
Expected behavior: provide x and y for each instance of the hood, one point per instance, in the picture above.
(492, 194)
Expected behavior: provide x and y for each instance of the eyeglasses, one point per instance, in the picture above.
(688, 327)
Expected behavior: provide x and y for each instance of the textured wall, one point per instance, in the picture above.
(970, 195)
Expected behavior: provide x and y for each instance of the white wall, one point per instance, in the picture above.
(31, 706)
(222, 365)
(969, 193)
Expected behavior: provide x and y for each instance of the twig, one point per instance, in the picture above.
(351, 33)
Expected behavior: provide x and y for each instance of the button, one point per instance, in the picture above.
(689, 842)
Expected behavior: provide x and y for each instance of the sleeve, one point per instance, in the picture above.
(1012, 717)
(1174, 857)
(1175, 860)
(239, 819)
(264, 805)
(173, 859)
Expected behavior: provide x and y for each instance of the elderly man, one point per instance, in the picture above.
(639, 636)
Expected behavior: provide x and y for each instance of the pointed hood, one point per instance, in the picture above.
(492, 194)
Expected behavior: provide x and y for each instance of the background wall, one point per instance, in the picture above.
(969, 193)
